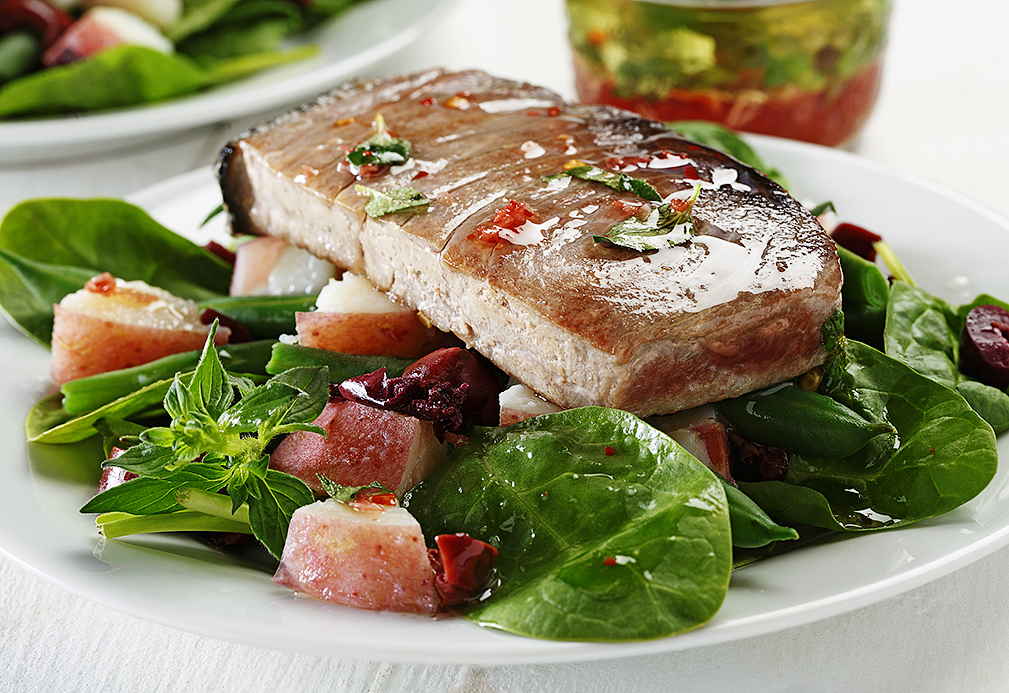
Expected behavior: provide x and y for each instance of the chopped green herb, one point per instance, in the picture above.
(664, 227)
(381, 148)
(384, 202)
(617, 181)
(346, 493)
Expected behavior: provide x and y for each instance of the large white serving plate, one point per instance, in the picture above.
(348, 45)
(950, 245)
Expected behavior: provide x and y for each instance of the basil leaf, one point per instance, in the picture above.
(272, 502)
(151, 496)
(612, 179)
(647, 555)
(384, 202)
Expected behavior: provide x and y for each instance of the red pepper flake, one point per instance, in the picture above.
(420, 174)
(427, 102)
(689, 172)
(623, 163)
(931, 450)
(343, 121)
(513, 215)
(533, 114)
(104, 283)
(376, 496)
(609, 560)
(553, 111)
(609, 451)
(369, 170)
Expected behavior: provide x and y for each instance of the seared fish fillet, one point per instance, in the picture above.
(737, 307)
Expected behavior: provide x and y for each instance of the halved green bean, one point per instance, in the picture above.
(797, 420)
(751, 527)
(92, 392)
(19, 53)
(265, 317)
(341, 366)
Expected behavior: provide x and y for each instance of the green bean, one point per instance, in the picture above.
(265, 317)
(341, 366)
(94, 391)
(797, 420)
(19, 53)
(751, 527)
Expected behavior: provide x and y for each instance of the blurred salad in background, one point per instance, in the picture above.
(71, 56)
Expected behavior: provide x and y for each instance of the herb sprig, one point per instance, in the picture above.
(216, 444)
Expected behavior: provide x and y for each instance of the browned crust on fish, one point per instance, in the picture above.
(738, 307)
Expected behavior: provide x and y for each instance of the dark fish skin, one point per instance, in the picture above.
(740, 306)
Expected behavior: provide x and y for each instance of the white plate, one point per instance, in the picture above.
(367, 33)
(949, 244)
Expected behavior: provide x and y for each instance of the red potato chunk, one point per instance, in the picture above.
(112, 324)
(99, 29)
(354, 318)
(362, 555)
(700, 433)
(519, 403)
(362, 445)
(269, 266)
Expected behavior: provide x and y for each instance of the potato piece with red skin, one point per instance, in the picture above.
(362, 445)
(355, 318)
(112, 324)
(99, 29)
(399, 334)
(362, 555)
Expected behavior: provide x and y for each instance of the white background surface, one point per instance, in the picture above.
(942, 115)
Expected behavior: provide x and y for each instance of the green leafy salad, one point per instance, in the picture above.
(49, 65)
(605, 528)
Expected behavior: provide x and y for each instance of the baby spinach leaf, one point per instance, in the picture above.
(864, 296)
(45, 238)
(946, 456)
(721, 138)
(120, 76)
(923, 331)
(591, 546)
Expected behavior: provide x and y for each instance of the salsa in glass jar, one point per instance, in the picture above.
(804, 70)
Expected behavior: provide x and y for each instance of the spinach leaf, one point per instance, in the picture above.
(923, 331)
(864, 296)
(47, 246)
(591, 546)
(947, 454)
(721, 138)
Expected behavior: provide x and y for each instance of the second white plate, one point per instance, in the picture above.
(349, 44)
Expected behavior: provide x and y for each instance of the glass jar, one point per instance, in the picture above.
(806, 70)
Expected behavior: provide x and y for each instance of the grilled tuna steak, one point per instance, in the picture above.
(738, 306)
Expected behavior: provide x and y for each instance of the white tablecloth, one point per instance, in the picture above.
(942, 115)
